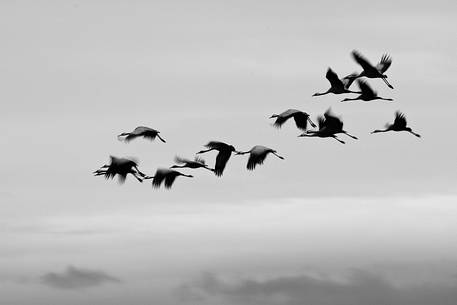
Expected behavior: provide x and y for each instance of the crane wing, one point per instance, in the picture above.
(169, 179)
(141, 129)
(301, 120)
(349, 79)
(280, 120)
(110, 173)
(221, 161)
(113, 159)
(334, 79)
(332, 121)
(366, 89)
(283, 117)
(361, 60)
(215, 145)
(400, 120)
(149, 135)
(130, 137)
(384, 64)
(158, 178)
(200, 160)
(320, 122)
(255, 159)
(180, 160)
(122, 177)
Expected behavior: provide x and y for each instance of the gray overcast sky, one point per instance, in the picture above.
(76, 73)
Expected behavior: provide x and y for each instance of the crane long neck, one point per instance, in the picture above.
(351, 99)
(350, 91)
(309, 133)
(380, 130)
(204, 151)
(179, 166)
(323, 93)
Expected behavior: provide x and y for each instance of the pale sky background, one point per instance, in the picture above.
(369, 222)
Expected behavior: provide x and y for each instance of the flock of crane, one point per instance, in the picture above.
(328, 126)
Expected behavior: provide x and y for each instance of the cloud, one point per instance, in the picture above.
(76, 278)
(360, 288)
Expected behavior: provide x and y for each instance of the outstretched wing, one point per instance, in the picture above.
(280, 120)
(169, 179)
(149, 135)
(109, 173)
(130, 161)
(320, 122)
(141, 129)
(349, 79)
(400, 120)
(366, 89)
(158, 178)
(215, 145)
(221, 161)
(255, 159)
(333, 79)
(283, 117)
(200, 160)
(361, 60)
(122, 177)
(332, 121)
(301, 120)
(384, 64)
(180, 160)
(130, 137)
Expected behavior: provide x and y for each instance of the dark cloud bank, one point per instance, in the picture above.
(76, 278)
(360, 288)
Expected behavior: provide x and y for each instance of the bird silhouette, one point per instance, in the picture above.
(329, 126)
(121, 167)
(301, 119)
(141, 131)
(167, 176)
(257, 155)
(367, 94)
(196, 163)
(399, 124)
(337, 85)
(371, 71)
(225, 151)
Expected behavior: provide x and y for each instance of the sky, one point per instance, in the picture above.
(369, 222)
